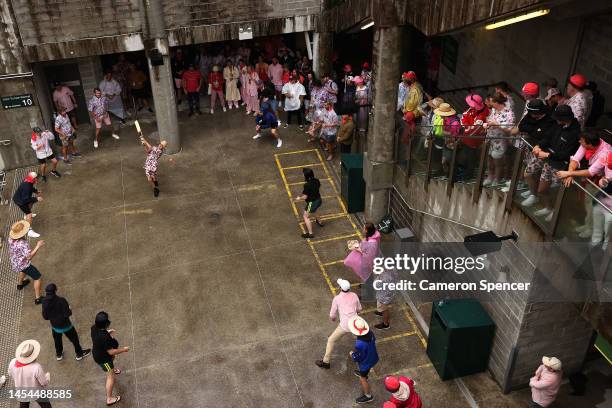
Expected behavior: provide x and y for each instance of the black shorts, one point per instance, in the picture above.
(107, 366)
(26, 208)
(364, 374)
(43, 161)
(313, 206)
(32, 272)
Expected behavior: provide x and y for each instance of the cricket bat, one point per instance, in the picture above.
(139, 131)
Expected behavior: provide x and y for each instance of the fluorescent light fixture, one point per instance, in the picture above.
(517, 19)
(367, 25)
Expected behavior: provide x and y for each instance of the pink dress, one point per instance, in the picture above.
(250, 91)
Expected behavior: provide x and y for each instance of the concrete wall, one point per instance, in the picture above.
(530, 51)
(15, 124)
(537, 329)
(11, 57)
(595, 58)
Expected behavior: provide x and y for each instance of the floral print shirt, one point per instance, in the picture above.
(19, 250)
(329, 118)
(63, 124)
(579, 106)
(98, 106)
(151, 162)
(330, 97)
(505, 118)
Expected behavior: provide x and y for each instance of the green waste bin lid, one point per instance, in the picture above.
(460, 313)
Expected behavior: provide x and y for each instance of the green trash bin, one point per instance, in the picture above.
(460, 338)
(352, 186)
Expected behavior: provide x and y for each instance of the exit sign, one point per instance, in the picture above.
(17, 101)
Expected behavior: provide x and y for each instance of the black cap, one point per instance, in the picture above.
(563, 113)
(102, 321)
(51, 288)
(536, 106)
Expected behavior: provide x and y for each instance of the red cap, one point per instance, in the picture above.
(610, 160)
(577, 80)
(389, 404)
(348, 68)
(392, 383)
(366, 65)
(409, 75)
(531, 88)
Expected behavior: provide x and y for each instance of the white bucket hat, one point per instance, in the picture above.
(27, 351)
(358, 326)
(344, 284)
(552, 362)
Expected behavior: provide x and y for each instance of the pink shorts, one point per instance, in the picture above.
(178, 83)
(106, 119)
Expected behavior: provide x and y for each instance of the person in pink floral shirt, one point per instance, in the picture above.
(21, 256)
(150, 167)
(98, 110)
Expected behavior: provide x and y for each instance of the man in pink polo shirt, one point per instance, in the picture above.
(63, 97)
(275, 72)
(346, 304)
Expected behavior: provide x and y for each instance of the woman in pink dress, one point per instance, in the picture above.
(252, 83)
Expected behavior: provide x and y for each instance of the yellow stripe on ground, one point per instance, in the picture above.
(330, 217)
(333, 262)
(301, 166)
(320, 241)
(403, 370)
(296, 152)
(415, 328)
(397, 336)
(295, 211)
(301, 183)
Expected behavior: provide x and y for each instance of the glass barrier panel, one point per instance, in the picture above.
(419, 151)
(468, 159)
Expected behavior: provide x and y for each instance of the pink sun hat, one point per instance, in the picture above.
(474, 101)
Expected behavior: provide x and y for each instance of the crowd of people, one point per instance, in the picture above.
(555, 127)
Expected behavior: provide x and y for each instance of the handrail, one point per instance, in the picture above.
(469, 88)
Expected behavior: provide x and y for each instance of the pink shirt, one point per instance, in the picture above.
(62, 98)
(275, 72)
(29, 376)
(347, 305)
(545, 386)
(602, 151)
(599, 167)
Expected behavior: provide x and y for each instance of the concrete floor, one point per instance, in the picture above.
(220, 300)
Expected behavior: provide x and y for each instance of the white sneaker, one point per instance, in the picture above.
(278, 123)
(280, 104)
(257, 136)
(586, 233)
(33, 234)
(549, 217)
(507, 183)
(504, 189)
(543, 212)
(95, 144)
(116, 136)
(529, 201)
(582, 228)
(2, 380)
(248, 112)
(526, 194)
(224, 109)
(487, 182)
(230, 106)
(212, 111)
(279, 143)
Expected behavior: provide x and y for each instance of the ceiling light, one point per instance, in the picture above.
(516, 19)
(367, 25)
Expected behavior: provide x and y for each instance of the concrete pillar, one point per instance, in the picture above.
(162, 83)
(323, 48)
(378, 161)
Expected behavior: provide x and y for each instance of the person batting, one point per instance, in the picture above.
(153, 155)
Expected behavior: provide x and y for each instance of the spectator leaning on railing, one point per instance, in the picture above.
(499, 124)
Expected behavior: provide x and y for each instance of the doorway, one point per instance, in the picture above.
(69, 75)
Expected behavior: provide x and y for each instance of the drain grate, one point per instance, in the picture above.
(10, 299)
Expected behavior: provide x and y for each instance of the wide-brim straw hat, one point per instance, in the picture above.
(435, 102)
(19, 229)
(358, 326)
(27, 351)
(552, 362)
(445, 110)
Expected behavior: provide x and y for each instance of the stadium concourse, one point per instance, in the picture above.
(220, 300)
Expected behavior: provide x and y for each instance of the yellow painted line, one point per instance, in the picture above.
(301, 183)
(397, 336)
(301, 167)
(355, 285)
(330, 216)
(295, 211)
(334, 238)
(332, 289)
(415, 328)
(603, 354)
(331, 196)
(333, 262)
(296, 152)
